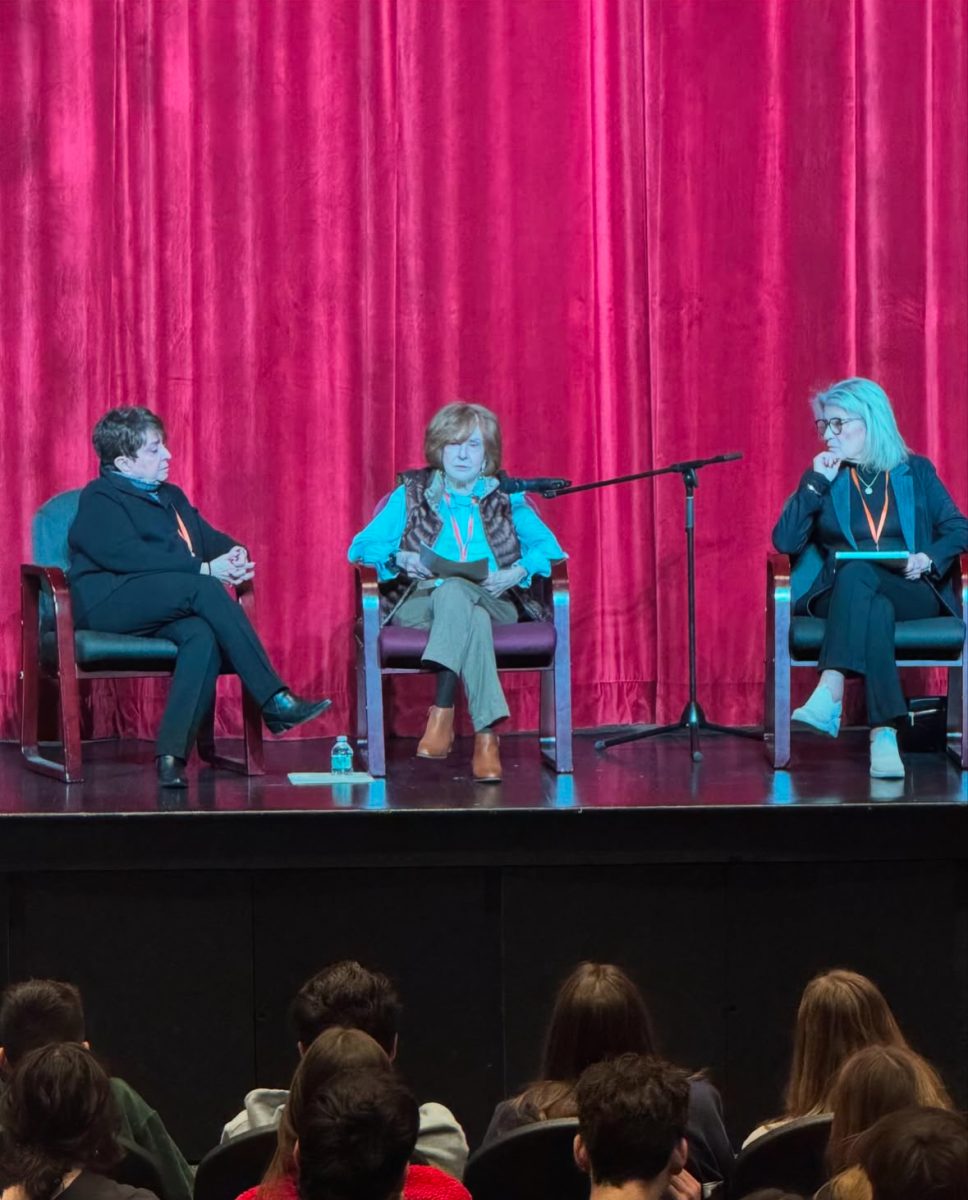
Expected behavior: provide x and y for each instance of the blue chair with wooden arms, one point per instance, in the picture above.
(56, 657)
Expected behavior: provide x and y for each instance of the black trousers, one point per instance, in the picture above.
(861, 610)
(208, 625)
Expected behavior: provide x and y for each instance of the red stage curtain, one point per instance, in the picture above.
(641, 230)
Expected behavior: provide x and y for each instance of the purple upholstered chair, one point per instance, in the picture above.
(542, 646)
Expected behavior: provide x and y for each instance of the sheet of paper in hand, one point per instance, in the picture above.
(447, 568)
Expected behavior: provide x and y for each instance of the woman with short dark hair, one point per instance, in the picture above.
(449, 512)
(59, 1125)
(144, 561)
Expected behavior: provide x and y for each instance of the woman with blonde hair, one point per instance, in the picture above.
(599, 1014)
(867, 495)
(456, 555)
(872, 1083)
(840, 1012)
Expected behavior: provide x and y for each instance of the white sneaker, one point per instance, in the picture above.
(885, 760)
(820, 714)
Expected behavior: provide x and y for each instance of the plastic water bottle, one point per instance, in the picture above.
(341, 760)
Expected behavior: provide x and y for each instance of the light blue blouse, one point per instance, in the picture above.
(381, 538)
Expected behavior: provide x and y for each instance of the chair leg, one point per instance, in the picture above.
(555, 716)
(69, 698)
(252, 761)
(252, 733)
(372, 692)
(956, 740)
(70, 770)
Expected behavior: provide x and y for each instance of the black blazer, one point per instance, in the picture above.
(120, 531)
(818, 512)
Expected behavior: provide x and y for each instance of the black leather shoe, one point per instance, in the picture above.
(171, 771)
(284, 711)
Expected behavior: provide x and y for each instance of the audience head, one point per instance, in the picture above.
(57, 1114)
(598, 1014)
(335, 1051)
(355, 1137)
(122, 432)
(632, 1113)
(874, 1082)
(36, 1013)
(840, 1012)
(347, 994)
(917, 1154)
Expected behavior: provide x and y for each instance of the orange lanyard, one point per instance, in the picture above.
(875, 534)
(463, 543)
(183, 532)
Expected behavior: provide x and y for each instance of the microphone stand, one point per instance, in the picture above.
(693, 718)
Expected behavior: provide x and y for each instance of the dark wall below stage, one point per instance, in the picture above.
(187, 974)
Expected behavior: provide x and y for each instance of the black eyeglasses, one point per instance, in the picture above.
(835, 424)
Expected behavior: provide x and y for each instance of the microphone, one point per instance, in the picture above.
(509, 484)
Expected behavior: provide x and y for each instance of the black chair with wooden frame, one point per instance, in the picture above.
(56, 658)
(794, 641)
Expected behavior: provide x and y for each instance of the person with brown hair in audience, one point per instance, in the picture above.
(334, 1053)
(631, 1139)
(59, 1124)
(350, 995)
(599, 1014)
(840, 1012)
(872, 1083)
(917, 1154)
(41, 1012)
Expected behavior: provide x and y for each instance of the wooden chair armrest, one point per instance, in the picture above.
(963, 567)
(367, 587)
(35, 579)
(245, 594)
(778, 570)
(560, 590)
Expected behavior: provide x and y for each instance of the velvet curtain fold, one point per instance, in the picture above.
(640, 230)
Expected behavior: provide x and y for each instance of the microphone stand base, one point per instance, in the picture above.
(693, 719)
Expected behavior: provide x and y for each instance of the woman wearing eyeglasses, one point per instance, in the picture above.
(867, 492)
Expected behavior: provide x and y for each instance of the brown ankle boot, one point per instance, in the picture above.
(438, 737)
(487, 757)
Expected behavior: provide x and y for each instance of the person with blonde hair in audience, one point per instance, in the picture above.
(338, 1052)
(59, 1129)
(600, 1014)
(872, 1083)
(840, 1012)
(917, 1154)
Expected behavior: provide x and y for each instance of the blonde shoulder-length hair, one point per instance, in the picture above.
(884, 448)
(840, 1012)
(872, 1083)
(455, 423)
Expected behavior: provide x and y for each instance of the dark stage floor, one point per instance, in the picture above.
(654, 774)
